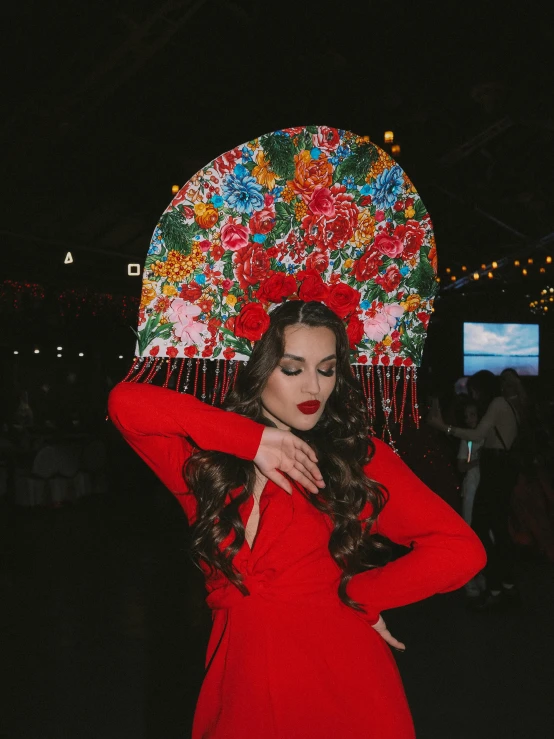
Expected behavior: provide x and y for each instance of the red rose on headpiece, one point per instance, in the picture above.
(190, 351)
(367, 266)
(390, 280)
(412, 234)
(190, 292)
(313, 287)
(252, 322)
(154, 351)
(317, 260)
(424, 318)
(262, 221)
(354, 331)
(234, 236)
(172, 351)
(392, 246)
(342, 299)
(278, 286)
(322, 202)
(253, 265)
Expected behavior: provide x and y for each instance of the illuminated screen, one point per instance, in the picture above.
(496, 346)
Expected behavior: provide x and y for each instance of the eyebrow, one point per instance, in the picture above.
(301, 359)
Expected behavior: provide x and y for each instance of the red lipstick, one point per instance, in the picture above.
(309, 407)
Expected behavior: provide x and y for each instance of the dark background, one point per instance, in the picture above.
(108, 104)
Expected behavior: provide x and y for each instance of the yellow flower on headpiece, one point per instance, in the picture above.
(411, 303)
(263, 173)
(148, 293)
(169, 290)
(387, 341)
(231, 300)
(410, 212)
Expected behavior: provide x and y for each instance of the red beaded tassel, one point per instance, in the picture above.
(216, 381)
(135, 362)
(141, 371)
(196, 374)
(153, 369)
(180, 375)
(404, 394)
(415, 404)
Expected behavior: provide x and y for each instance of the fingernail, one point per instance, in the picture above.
(398, 649)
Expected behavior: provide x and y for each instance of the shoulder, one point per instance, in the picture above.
(499, 403)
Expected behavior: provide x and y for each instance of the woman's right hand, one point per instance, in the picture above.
(282, 453)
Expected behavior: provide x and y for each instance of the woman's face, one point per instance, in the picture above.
(298, 388)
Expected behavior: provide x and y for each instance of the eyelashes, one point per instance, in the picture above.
(293, 373)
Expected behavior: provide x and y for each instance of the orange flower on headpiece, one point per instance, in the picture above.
(206, 215)
(263, 173)
(309, 173)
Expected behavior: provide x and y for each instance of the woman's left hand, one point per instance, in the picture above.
(381, 628)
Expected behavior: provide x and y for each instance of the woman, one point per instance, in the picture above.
(498, 429)
(468, 467)
(285, 493)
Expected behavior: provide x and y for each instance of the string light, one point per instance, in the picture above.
(395, 150)
(175, 189)
(516, 263)
(494, 265)
(59, 348)
(464, 268)
(524, 272)
(476, 275)
(490, 275)
(120, 356)
(529, 261)
(542, 270)
(389, 137)
(58, 355)
(453, 278)
(549, 259)
(15, 351)
(81, 354)
(37, 351)
(483, 266)
(448, 270)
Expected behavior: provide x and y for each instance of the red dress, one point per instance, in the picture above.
(290, 660)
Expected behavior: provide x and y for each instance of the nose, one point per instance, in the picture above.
(311, 383)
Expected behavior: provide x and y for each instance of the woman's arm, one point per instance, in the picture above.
(159, 424)
(479, 433)
(445, 551)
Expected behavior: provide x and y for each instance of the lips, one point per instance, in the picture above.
(309, 407)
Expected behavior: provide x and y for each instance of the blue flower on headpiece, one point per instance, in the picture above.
(404, 271)
(315, 153)
(386, 187)
(259, 238)
(217, 201)
(349, 182)
(242, 192)
(246, 154)
(200, 279)
(340, 155)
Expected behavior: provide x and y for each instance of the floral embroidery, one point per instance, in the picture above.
(310, 213)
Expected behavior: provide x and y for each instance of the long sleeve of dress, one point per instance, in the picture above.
(445, 553)
(159, 424)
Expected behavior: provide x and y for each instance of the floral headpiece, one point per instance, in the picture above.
(309, 213)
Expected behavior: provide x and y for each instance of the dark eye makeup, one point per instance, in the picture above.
(292, 373)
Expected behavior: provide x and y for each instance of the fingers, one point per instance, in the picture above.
(299, 475)
(279, 479)
(309, 469)
(381, 628)
(305, 449)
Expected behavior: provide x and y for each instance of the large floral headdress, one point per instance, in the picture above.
(309, 213)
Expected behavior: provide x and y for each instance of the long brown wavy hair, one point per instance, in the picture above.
(340, 440)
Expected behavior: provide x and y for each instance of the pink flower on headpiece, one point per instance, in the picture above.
(234, 236)
(388, 244)
(326, 138)
(322, 202)
(182, 314)
(377, 327)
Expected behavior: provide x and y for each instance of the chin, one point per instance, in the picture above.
(305, 422)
